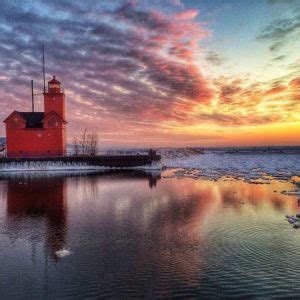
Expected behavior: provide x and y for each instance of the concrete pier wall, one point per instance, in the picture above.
(114, 161)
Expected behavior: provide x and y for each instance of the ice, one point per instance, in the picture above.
(255, 167)
(291, 193)
(64, 166)
(154, 166)
(62, 253)
(294, 221)
(46, 166)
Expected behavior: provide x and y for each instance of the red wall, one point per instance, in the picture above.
(55, 102)
(35, 142)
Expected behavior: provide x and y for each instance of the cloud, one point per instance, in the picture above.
(242, 102)
(279, 29)
(149, 55)
(152, 20)
(295, 83)
(279, 58)
(214, 58)
(285, 2)
(239, 119)
(126, 70)
(188, 14)
(177, 3)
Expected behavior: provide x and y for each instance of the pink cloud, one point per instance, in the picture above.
(276, 90)
(295, 83)
(189, 14)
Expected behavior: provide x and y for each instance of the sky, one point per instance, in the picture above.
(159, 73)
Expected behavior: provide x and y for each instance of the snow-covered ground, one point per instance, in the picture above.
(251, 166)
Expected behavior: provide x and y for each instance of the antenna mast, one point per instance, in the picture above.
(44, 73)
(32, 96)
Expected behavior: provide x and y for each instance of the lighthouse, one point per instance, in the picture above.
(39, 134)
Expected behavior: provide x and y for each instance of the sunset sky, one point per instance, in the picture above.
(160, 73)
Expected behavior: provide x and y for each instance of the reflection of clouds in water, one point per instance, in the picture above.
(130, 239)
(196, 196)
(37, 202)
(89, 186)
(171, 230)
(36, 210)
(116, 195)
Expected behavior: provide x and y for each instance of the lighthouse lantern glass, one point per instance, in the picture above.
(54, 85)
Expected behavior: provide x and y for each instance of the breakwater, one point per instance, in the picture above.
(79, 162)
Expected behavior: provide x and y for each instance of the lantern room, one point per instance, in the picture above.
(54, 86)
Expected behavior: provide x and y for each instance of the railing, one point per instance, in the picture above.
(56, 90)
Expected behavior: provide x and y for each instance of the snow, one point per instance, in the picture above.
(252, 167)
(154, 166)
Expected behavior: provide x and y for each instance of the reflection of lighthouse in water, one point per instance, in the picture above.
(38, 201)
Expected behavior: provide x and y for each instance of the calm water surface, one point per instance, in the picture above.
(136, 235)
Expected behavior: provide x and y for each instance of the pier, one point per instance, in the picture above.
(107, 161)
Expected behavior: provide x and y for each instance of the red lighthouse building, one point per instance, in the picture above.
(39, 134)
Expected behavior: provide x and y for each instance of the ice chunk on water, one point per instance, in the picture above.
(63, 253)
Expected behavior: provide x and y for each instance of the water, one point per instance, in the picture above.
(133, 234)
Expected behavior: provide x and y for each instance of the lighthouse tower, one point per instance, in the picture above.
(54, 99)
